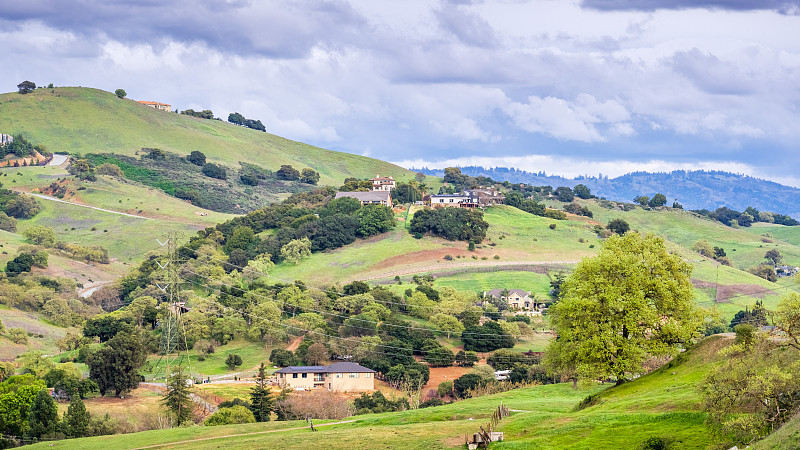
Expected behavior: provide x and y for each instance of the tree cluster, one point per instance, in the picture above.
(450, 223)
(733, 218)
(240, 120)
(204, 114)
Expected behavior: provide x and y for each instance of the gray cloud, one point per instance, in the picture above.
(269, 28)
(782, 6)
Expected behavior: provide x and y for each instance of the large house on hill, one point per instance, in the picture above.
(340, 376)
(369, 198)
(6, 139)
(157, 105)
(380, 183)
(469, 198)
(518, 300)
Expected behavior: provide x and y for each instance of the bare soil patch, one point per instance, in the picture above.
(439, 374)
(727, 291)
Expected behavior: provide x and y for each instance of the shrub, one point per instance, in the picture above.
(552, 226)
(215, 171)
(230, 416)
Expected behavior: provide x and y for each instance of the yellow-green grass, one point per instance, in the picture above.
(737, 289)
(743, 247)
(526, 239)
(126, 238)
(252, 354)
(84, 120)
(31, 323)
(226, 391)
(790, 235)
(537, 283)
(664, 404)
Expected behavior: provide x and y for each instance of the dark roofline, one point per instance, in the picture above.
(339, 367)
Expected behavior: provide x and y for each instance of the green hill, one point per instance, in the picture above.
(530, 252)
(84, 120)
(663, 405)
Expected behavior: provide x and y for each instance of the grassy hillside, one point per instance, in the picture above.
(530, 253)
(663, 404)
(84, 120)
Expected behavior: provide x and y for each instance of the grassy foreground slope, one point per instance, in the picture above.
(84, 120)
(664, 404)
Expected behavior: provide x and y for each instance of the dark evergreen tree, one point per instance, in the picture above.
(76, 419)
(43, 416)
(177, 399)
(261, 399)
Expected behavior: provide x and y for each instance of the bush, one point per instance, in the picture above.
(197, 158)
(230, 416)
(552, 226)
(215, 171)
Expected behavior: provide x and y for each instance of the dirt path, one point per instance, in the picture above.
(46, 197)
(188, 441)
(295, 344)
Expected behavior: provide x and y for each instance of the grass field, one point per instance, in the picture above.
(32, 323)
(84, 120)
(252, 353)
(664, 404)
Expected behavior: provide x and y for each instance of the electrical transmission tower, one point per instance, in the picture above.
(173, 346)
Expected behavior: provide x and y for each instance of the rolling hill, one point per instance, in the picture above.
(85, 120)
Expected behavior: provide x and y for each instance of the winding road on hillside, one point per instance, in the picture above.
(47, 197)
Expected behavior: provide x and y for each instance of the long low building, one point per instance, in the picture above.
(370, 197)
(340, 376)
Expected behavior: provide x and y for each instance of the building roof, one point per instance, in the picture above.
(338, 367)
(370, 196)
(378, 177)
(499, 293)
(144, 102)
(450, 195)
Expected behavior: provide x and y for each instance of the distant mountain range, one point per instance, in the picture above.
(692, 189)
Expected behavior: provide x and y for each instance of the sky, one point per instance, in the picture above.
(570, 87)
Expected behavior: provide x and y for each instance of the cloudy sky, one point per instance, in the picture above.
(566, 86)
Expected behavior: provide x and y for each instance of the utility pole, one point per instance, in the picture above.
(172, 329)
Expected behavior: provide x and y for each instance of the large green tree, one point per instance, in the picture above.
(115, 367)
(631, 301)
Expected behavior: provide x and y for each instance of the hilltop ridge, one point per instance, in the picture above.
(87, 120)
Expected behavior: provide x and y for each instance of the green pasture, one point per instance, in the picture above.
(252, 353)
(84, 120)
(664, 404)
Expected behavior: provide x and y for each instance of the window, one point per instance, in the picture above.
(305, 375)
(294, 375)
(367, 375)
(353, 375)
(338, 375)
(318, 377)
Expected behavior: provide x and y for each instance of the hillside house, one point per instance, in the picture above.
(518, 300)
(340, 376)
(485, 196)
(470, 198)
(380, 183)
(452, 200)
(369, 198)
(787, 271)
(157, 105)
(6, 139)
